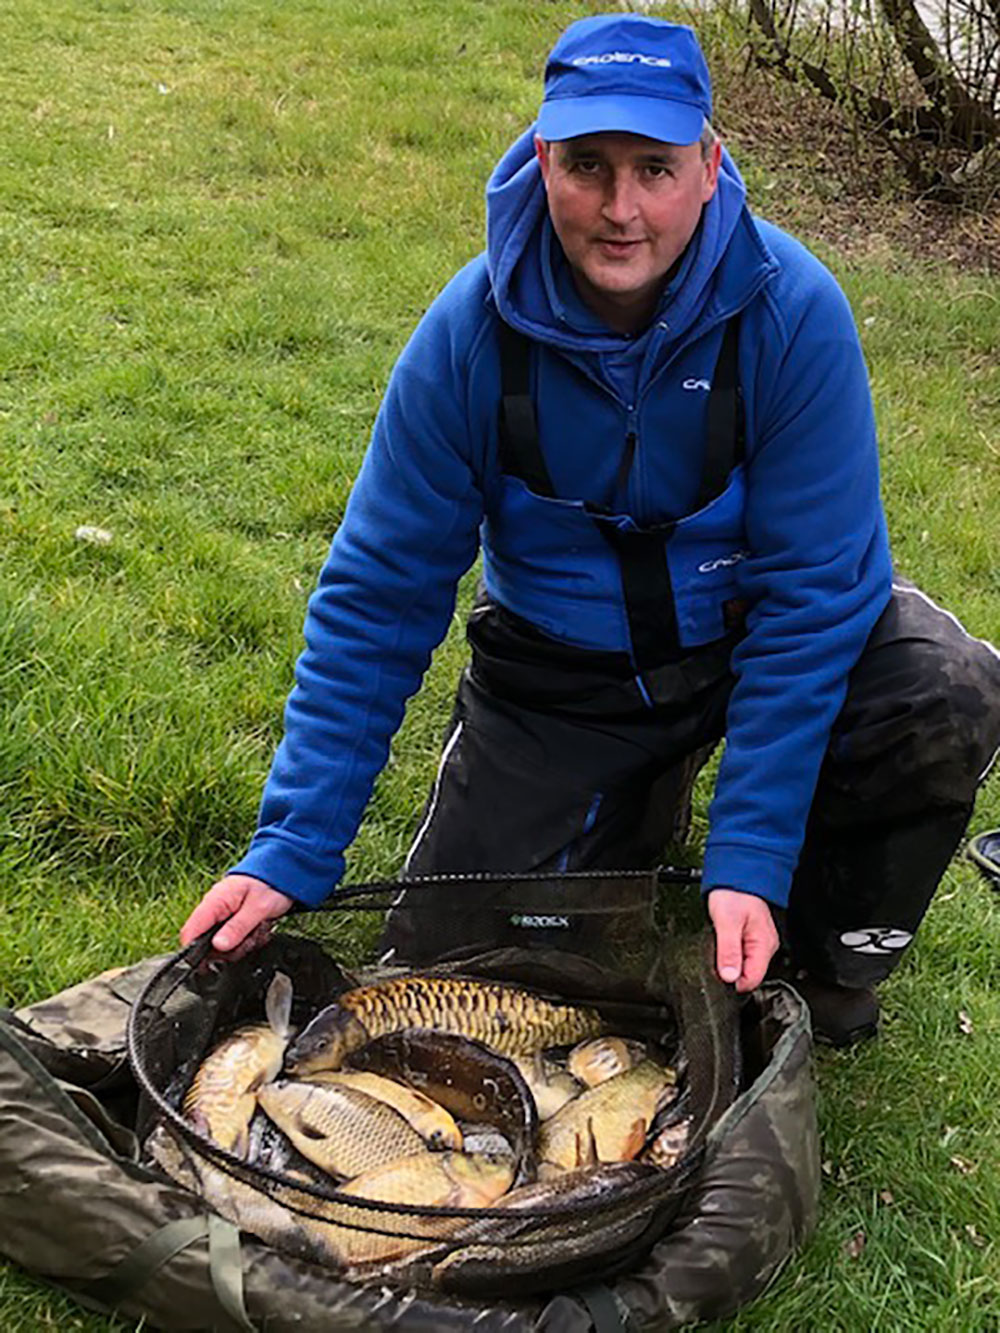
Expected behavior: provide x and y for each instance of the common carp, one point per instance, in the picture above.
(464, 1076)
(346, 1236)
(425, 1180)
(550, 1086)
(508, 1019)
(668, 1146)
(223, 1094)
(594, 1062)
(341, 1129)
(431, 1121)
(608, 1123)
(496, 1251)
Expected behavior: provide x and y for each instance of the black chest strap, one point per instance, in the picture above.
(641, 555)
(520, 447)
(725, 436)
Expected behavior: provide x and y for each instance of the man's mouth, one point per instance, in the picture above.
(616, 245)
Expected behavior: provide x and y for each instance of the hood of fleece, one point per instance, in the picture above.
(517, 229)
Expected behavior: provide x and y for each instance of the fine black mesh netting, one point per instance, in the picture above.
(633, 946)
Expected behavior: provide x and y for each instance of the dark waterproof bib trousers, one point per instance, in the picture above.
(559, 758)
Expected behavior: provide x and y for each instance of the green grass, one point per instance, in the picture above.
(218, 224)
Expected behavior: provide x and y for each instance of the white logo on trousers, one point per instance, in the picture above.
(881, 940)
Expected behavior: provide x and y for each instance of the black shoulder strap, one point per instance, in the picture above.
(724, 445)
(520, 450)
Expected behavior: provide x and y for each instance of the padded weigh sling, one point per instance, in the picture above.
(750, 1201)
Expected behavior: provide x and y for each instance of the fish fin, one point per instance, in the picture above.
(198, 1121)
(593, 1155)
(635, 1140)
(278, 1004)
(586, 1145)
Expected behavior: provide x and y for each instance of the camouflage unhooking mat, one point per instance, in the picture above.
(80, 1208)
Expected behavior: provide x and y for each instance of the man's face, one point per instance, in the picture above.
(624, 208)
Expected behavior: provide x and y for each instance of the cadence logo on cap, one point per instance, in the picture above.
(623, 58)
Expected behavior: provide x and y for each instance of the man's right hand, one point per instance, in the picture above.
(243, 903)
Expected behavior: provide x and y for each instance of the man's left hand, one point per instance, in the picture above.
(745, 936)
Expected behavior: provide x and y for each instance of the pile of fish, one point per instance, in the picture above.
(426, 1093)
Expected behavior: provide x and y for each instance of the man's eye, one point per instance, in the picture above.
(657, 171)
(585, 166)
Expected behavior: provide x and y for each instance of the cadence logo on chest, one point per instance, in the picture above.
(704, 385)
(722, 562)
(623, 58)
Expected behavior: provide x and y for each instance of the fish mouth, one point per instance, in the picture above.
(296, 1067)
(312, 1057)
(324, 1044)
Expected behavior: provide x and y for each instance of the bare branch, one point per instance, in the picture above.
(963, 119)
(879, 112)
(926, 81)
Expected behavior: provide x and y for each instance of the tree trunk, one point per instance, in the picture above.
(964, 121)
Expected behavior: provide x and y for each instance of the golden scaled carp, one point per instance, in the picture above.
(668, 1146)
(594, 1062)
(546, 1251)
(509, 1020)
(425, 1180)
(550, 1086)
(466, 1077)
(345, 1236)
(223, 1094)
(608, 1123)
(431, 1121)
(341, 1129)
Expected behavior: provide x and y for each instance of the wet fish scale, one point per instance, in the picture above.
(607, 1123)
(343, 1130)
(496, 1250)
(510, 1020)
(223, 1094)
(341, 1234)
(431, 1121)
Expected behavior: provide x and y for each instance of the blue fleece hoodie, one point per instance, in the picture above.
(813, 561)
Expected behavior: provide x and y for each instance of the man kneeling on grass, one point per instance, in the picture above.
(650, 410)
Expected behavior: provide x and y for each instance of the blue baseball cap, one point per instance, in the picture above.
(626, 72)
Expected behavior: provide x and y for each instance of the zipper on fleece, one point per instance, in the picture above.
(625, 471)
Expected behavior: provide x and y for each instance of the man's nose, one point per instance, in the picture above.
(619, 204)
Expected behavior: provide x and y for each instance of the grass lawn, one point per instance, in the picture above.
(218, 223)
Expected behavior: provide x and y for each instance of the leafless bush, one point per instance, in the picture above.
(924, 75)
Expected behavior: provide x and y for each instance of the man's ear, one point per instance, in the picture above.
(542, 152)
(711, 165)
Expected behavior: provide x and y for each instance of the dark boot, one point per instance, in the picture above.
(841, 1015)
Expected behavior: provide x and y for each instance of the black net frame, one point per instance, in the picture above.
(640, 956)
